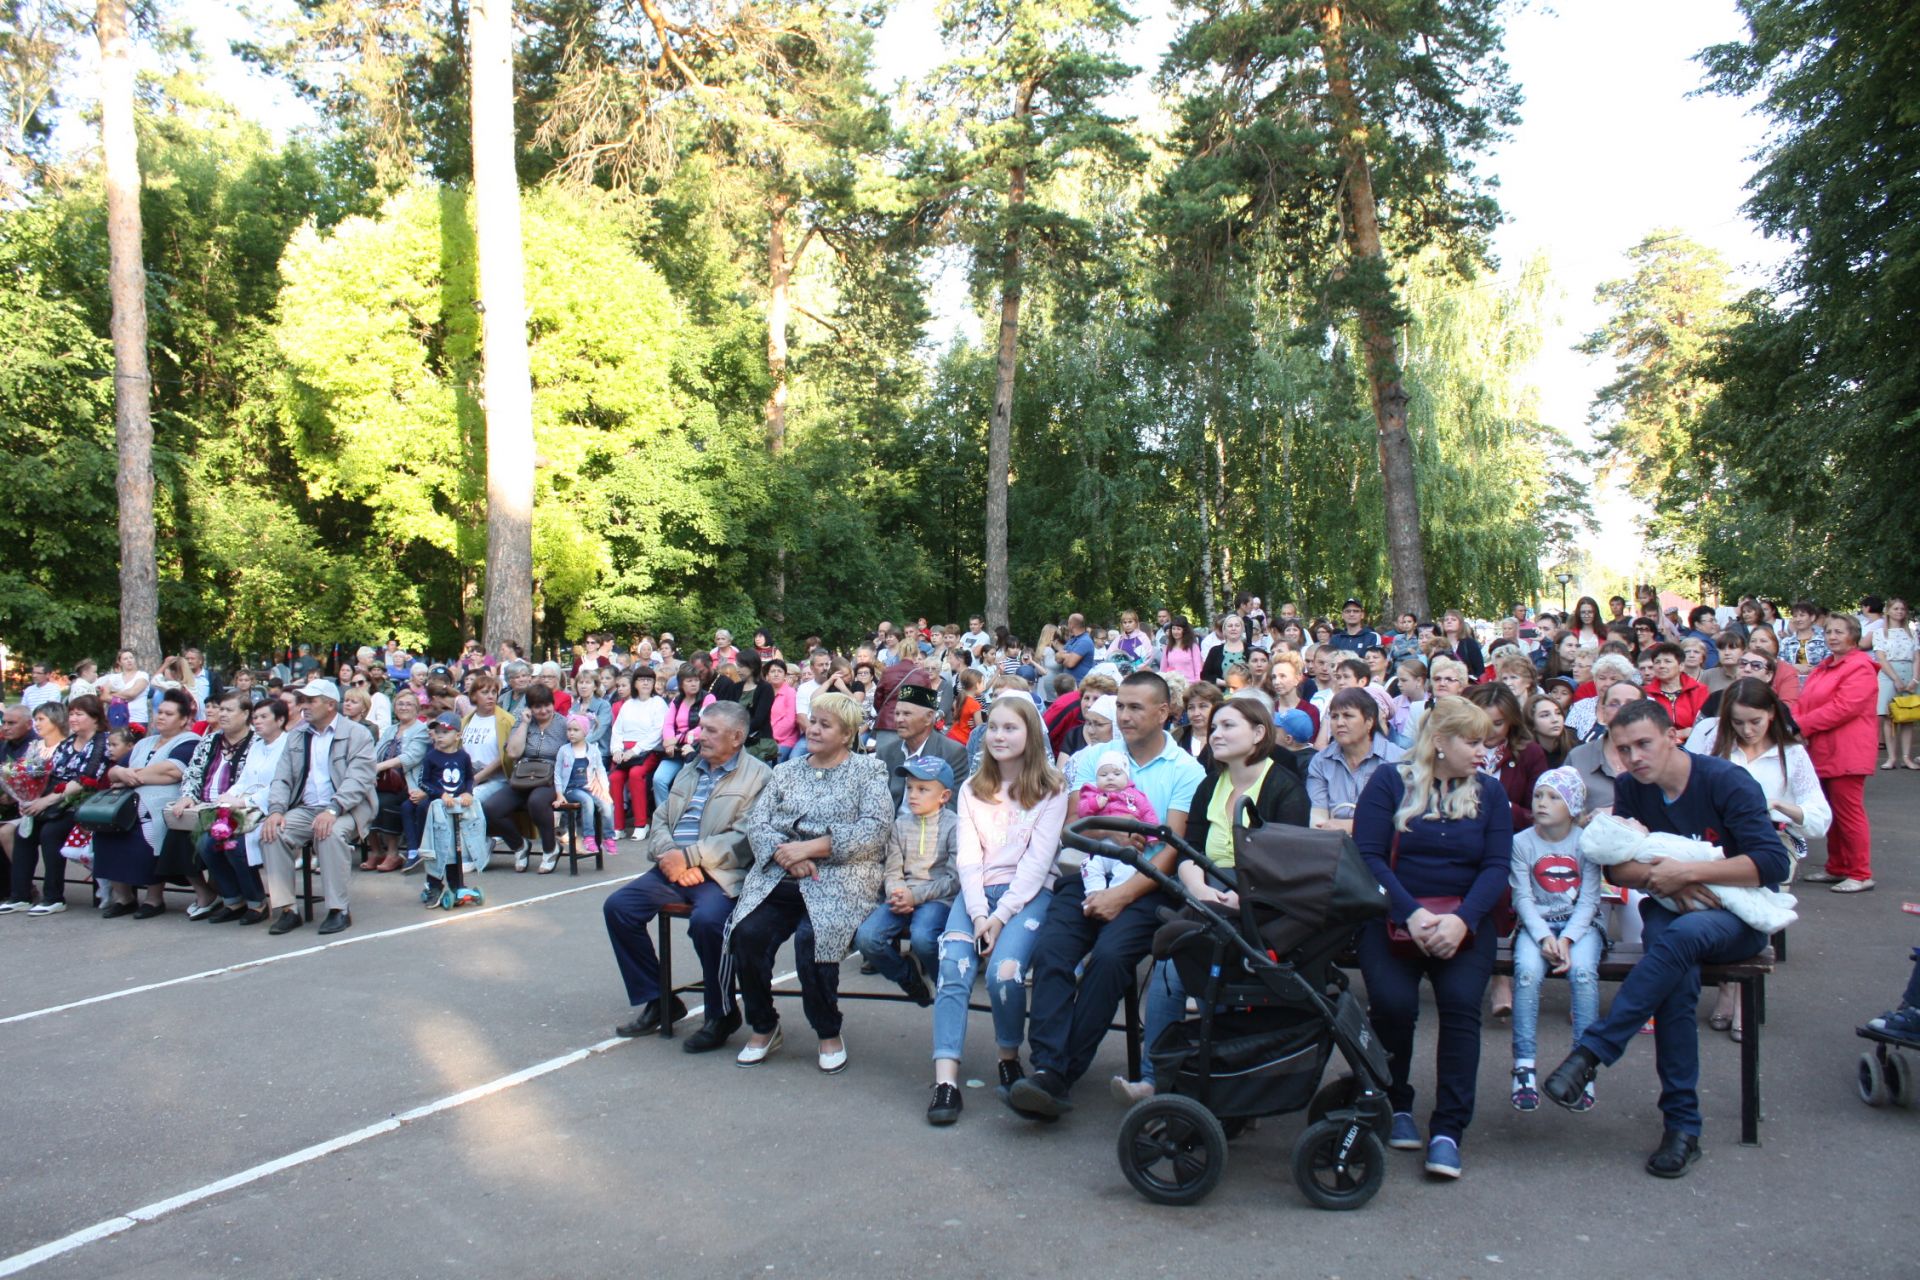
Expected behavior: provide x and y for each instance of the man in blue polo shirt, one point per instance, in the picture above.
(1663, 788)
(1358, 635)
(1112, 929)
(1076, 652)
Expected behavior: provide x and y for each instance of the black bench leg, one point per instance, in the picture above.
(573, 842)
(306, 883)
(665, 945)
(1750, 1020)
(1779, 941)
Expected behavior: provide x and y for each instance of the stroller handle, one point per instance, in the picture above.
(1074, 838)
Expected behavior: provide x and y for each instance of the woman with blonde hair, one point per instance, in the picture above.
(1011, 814)
(1438, 835)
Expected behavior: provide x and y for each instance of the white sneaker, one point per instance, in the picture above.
(835, 1061)
(47, 909)
(548, 861)
(639, 833)
(8, 907)
(753, 1056)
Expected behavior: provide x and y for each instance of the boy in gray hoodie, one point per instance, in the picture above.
(920, 883)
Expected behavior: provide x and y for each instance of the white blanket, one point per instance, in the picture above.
(1610, 842)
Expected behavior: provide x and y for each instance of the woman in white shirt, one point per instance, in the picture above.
(238, 880)
(1755, 732)
(1893, 649)
(638, 731)
(121, 686)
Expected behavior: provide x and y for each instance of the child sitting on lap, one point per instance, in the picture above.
(1112, 794)
(1556, 893)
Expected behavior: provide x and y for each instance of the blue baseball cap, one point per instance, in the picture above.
(928, 769)
(1296, 723)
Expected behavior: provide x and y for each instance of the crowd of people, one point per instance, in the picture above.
(905, 798)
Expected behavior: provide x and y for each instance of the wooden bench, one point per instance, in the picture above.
(663, 930)
(1751, 977)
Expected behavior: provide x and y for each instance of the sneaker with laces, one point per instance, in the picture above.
(1010, 1071)
(430, 896)
(47, 909)
(1443, 1158)
(946, 1105)
(1526, 1090)
(1405, 1134)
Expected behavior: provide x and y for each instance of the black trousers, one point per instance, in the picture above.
(42, 849)
(504, 803)
(756, 938)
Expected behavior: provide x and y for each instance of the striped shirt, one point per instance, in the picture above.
(706, 777)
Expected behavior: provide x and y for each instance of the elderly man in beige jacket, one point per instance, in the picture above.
(322, 793)
(699, 851)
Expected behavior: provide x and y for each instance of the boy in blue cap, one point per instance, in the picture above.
(455, 827)
(920, 882)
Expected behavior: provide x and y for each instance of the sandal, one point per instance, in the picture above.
(1720, 1021)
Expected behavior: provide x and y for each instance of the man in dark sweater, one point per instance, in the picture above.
(1704, 798)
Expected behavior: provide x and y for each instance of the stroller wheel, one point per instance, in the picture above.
(1172, 1149)
(1333, 1174)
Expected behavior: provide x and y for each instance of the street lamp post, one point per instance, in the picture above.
(1565, 578)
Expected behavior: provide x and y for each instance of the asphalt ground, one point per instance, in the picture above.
(449, 1100)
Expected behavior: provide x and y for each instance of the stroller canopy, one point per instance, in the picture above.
(1296, 883)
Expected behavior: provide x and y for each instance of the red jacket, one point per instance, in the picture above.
(1836, 712)
(1682, 707)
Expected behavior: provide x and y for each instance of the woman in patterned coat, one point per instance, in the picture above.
(819, 837)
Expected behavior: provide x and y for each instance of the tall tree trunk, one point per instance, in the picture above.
(1227, 590)
(508, 383)
(779, 311)
(1000, 429)
(1406, 558)
(127, 288)
(1206, 550)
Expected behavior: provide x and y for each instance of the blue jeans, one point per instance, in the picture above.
(233, 879)
(1530, 970)
(413, 822)
(961, 966)
(629, 911)
(1166, 1005)
(784, 754)
(662, 779)
(594, 824)
(1393, 998)
(876, 939)
(1665, 986)
(1073, 1007)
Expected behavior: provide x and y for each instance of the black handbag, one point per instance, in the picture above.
(115, 811)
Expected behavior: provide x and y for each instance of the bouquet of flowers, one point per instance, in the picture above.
(25, 779)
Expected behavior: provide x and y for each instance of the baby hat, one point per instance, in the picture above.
(1569, 784)
(1107, 707)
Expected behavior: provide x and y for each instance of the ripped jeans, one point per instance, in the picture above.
(1530, 969)
(961, 966)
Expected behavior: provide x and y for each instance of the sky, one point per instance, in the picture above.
(1613, 144)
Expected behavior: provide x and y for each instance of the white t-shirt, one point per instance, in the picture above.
(481, 738)
(113, 682)
(38, 695)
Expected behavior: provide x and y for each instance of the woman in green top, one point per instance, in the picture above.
(1246, 767)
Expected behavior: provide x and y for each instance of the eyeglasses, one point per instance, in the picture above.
(1752, 664)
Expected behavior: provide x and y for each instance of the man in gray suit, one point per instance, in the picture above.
(914, 716)
(322, 793)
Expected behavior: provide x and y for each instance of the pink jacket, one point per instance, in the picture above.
(1836, 713)
(785, 724)
(1182, 662)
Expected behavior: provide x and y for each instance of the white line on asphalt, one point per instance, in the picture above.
(261, 961)
(306, 1155)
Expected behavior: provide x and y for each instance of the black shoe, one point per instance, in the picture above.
(148, 910)
(1010, 1073)
(252, 915)
(866, 969)
(114, 910)
(916, 986)
(713, 1033)
(1041, 1096)
(336, 922)
(221, 914)
(1675, 1155)
(286, 922)
(647, 1020)
(946, 1104)
(1568, 1083)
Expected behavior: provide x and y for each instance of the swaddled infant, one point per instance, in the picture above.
(1610, 842)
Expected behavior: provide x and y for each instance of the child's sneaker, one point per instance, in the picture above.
(1902, 1024)
(1585, 1100)
(1526, 1090)
(469, 898)
(430, 896)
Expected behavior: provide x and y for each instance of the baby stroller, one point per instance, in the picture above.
(1272, 1007)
